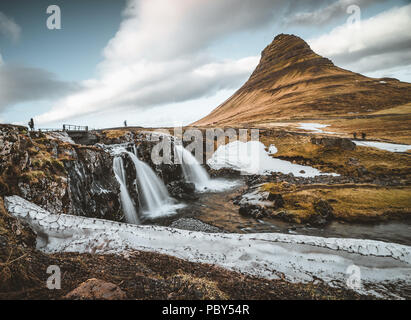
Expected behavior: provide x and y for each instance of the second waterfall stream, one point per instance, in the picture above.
(154, 200)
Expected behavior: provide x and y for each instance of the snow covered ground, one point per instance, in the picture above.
(252, 158)
(392, 147)
(314, 127)
(385, 268)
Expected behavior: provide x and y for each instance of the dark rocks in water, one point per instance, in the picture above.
(253, 211)
(334, 142)
(182, 190)
(194, 225)
(224, 172)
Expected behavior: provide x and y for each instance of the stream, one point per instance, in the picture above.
(217, 209)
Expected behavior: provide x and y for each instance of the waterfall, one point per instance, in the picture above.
(192, 170)
(156, 201)
(126, 202)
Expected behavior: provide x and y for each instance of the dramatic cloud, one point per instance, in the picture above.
(19, 84)
(378, 43)
(9, 28)
(159, 55)
(328, 13)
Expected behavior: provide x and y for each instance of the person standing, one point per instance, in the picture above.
(31, 124)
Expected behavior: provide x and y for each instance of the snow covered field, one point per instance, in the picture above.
(314, 127)
(252, 158)
(385, 268)
(392, 147)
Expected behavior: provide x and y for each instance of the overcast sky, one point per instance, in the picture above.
(166, 63)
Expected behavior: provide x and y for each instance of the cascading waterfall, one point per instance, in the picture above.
(192, 170)
(156, 201)
(126, 202)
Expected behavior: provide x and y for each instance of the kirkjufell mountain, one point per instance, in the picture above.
(292, 77)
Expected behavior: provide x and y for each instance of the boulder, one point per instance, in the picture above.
(277, 199)
(334, 142)
(182, 190)
(95, 289)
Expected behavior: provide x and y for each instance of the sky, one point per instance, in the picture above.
(170, 63)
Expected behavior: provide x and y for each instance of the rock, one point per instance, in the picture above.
(324, 212)
(182, 190)
(277, 199)
(95, 289)
(324, 208)
(251, 210)
(334, 142)
(194, 225)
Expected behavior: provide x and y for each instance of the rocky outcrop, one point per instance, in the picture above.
(59, 176)
(334, 142)
(290, 76)
(92, 188)
(95, 289)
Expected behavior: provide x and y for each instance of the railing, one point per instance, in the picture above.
(66, 127)
(69, 127)
(48, 130)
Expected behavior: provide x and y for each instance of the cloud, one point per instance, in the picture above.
(159, 55)
(20, 84)
(378, 43)
(9, 28)
(327, 14)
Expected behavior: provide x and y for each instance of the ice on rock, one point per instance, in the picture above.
(385, 267)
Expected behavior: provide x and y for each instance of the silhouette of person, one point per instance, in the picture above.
(355, 135)
(125, 123)
(363, 135)
(31, 124)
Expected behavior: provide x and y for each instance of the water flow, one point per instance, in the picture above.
(156, 201)
(126, 202)
(192, 170)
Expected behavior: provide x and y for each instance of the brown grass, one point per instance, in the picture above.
(360, 202)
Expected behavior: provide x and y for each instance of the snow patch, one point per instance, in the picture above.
(392, 147)
(314, 127)
(385, 267)
(252, 158)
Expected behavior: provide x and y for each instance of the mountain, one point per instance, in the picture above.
(293, 82)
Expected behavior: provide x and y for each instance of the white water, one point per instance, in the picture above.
(155, 200)
(126, 202)
(195, 173)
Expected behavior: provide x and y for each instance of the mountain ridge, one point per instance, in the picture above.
(291, 76)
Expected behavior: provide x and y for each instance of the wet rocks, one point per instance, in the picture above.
(95, 289)
(194, 225)
(253, 211)
(92, 188)
(182, 190)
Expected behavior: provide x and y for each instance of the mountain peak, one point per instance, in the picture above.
(292, 81)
